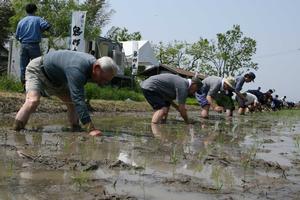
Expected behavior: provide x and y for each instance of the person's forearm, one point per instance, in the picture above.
(211, 101)
(241, 96)
(183, 113)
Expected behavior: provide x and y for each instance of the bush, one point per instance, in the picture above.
(110, 93)
(10, 83)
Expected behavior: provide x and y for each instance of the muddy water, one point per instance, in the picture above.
(248, 157)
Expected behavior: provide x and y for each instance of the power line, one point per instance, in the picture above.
(278, 53)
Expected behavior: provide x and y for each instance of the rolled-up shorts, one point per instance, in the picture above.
(220, 99)
(36, 80)
(201, 98)
(241, 102)
(224, 101)
(155, 99)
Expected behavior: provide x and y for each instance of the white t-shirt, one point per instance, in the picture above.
(250, 98)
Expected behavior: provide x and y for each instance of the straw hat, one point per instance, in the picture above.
(230, 81)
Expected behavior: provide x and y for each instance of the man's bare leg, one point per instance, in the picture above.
(72, 114)
(31, 103)
(241, 111)
(164, 119)
(159, 114)
(205, 111)
(229, 113)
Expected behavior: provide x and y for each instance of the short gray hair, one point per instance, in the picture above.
(108, 64)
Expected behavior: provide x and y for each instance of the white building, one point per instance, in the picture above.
(146, 57)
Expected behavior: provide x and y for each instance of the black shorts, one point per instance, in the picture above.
(155, 99)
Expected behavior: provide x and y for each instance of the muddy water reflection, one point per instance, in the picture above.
(247, 157)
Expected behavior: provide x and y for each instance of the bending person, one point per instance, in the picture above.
(216, 94)
(160, 91)
(64, 73)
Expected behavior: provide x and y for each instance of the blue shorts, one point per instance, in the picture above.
(155, 99)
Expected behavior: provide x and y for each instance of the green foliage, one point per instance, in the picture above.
(59, 15)
(97, 17)
(121, 34)
(172, 53)
(192, 101)
(9, 83)
(174, 156)
(80, 179)
(110, 93)
(6, 11)
(231, 54)
(281, 113)
(297, 141)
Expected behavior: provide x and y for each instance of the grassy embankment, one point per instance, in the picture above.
(10, 84)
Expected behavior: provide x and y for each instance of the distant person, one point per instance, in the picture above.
(64, 73)
(160, 91)
(276, 104)
(240, 80)
(284, 101)
(259, 88)
(29, 33)
(264, 99)
(215, 94)
(251, 103)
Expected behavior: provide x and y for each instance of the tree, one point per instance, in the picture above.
(98, 15)
(229, 56)
(59, 15)
(6, 11)
(121, 34)
(172, 53)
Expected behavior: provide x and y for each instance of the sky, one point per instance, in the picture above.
(274, 24)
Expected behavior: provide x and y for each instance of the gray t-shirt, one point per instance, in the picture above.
(170, 86)
(211, 85)
(73, 69)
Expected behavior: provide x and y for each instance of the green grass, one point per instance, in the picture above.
(9, 83)
(110, 93)
(192, 101)
(282, 113)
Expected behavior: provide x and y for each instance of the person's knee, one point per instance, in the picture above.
(165, 110)
(204, 114)
(241, 111)
(32, 103)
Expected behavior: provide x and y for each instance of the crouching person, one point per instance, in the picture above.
(64, 73)
(160, 91)
(239, 82)
(251, 103)
(216, 93)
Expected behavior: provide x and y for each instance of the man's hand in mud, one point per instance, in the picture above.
(219, 109)
(95, 132)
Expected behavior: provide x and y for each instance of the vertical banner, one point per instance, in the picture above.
(135, 57)
(77, 31)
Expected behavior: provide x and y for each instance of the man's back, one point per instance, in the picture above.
(62, 65)
(169, 85)
(211, 85)
(30, 29)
